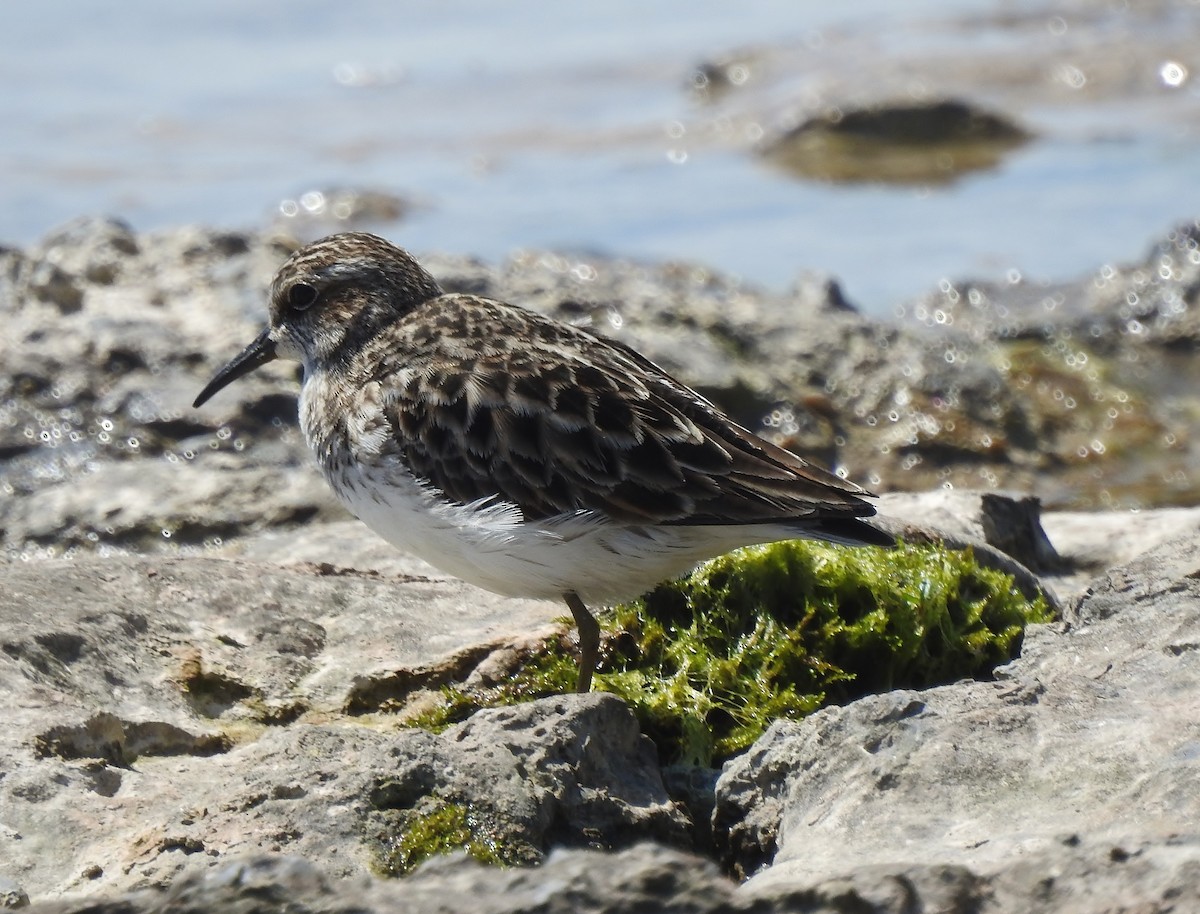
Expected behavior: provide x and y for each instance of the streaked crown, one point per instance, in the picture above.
(335, 294)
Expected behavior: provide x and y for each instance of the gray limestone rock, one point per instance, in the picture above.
(155, 506)
(646, 877)
(1080, 758)
(573, 771)
(12, 895)
(192, 708)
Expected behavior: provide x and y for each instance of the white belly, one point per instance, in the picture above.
(491, 546)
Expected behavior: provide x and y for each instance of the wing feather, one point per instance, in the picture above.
(591, 426)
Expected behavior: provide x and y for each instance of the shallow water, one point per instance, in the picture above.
(522, 125)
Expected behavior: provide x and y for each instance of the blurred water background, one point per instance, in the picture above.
(626, 128)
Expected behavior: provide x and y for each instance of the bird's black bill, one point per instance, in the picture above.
(261, 351)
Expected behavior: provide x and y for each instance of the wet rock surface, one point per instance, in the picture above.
(203, 660)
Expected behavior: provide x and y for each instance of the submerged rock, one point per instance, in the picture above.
(900, 143)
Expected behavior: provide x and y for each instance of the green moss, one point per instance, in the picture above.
(455, 707)
(708, 661)
(780, 630)
(438, 828)
(552, 671)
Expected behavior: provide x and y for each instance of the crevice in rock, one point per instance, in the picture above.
(214, 694)
(49, 653)
(695, 790)
(118, 742)
(64, 646)
(211, 693)
(159, 738)
(390, 692)
(282, 714)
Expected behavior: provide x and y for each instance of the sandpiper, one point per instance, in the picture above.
(524, 455)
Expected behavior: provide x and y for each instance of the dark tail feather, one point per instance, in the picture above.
(850, 531)
(985, 554)
(853, 531)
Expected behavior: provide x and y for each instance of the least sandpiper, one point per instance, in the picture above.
(527, 456)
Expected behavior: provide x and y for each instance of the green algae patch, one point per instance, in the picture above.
(437, 827)
(552, 671)
(777, 631)
(774, 631)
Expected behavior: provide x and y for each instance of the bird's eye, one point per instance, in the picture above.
(301, 296)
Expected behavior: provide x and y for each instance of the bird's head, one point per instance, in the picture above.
(329, 299)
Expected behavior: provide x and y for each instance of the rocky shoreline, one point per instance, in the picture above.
(186, 616)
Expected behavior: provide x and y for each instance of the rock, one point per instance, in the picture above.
(1028, 782)
(47, 282)
(163, 504)
(1093, 541)
(647, 877)
(239, 680)
(1147, 305)
(108, 375)
(1102, 368)
(815, 292)
(235, 706)
(712, 79)
(895, 890)
(319, 212)
(900, 142)
(1011, 524)
(573, 771)
(94, 249)
(12, 895)
(1151, 302)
